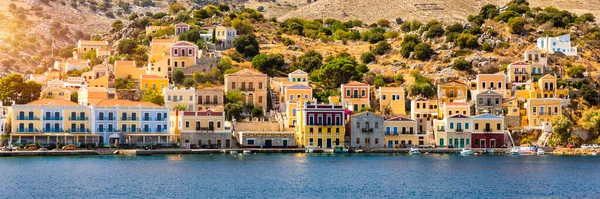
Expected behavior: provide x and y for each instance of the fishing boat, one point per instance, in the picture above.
(466, 152)
(414, 151)
(514, 151)
(528, 150)
(540, 151)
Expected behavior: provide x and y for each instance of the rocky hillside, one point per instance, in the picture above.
(424, 10)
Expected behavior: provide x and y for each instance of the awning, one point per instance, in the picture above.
(114, 135)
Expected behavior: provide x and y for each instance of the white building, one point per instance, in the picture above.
(553, 44)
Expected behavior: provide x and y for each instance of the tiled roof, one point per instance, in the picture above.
(520, 63)
(355, 83)
(486, 116)
(457, 104)
(152, 77)
(162, 41)
(299, 72)
(399, 119)
(459, 116)
(202, 113)
(299, 86)
(183, 43)
(53, 102)
(124, 103)
(246, 71)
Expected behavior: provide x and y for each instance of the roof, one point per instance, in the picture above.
(95, 89)
(77, 62)
(181, 23)
(459, 116)
(152, 77)
(490, 92)
(203, 113)
(486, 116)
(298, 72)
(53, 102)
(355, 83)
(519, 63)
(299, 86)
(124, 63)
(91, 42)
(183, 43)
(246, 71)
(391, 88)
(399, 119)
(124, 103)
(510, 99)
(163, 41)
(453, 82)
(366, 113)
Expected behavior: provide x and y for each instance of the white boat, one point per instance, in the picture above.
(309, 150)
(233, 152)
(414, 151)
(246, 152)
(527, 150)
(540, 151)
(514, 151)
(594, 153)
(466, 152)
(359, 151)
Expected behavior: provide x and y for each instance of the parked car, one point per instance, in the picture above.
(32, 147)
(595, 146)
(69, 147)
(425, 146)
(49, 146)
(586, 146)
(193, 146)
(450, 146)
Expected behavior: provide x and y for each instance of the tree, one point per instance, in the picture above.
(309, 61)
(75, 97)
(366, 108)
(436, 30)
(561, 126)
(381, 48)
(576, 71)
(461, 64)
(246, 45)
(423, 51)
(590, 95)
(489, 11)
(117, 25)
(14, 88)
(399, 79)
(189, 82)
(487, 46)
(153, 96)
(126, 46)
(467, 41)
(233, 111)
(257, 112)
(517, 25)
(181, 107)
(234, 96)
(193, 35)
(591, 122)
(338, 71)
(376, 37)
(178, 76)
(268, 63)
(174, 8)
(421, 86)
(243, 27)
(383, 23)
(379, 81)
(367, 57)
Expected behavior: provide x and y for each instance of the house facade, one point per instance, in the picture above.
(251, 83)
(356, 95)
(366, 131)
(320, 126)
(488, 131)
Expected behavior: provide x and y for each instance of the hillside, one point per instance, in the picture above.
(424, 10)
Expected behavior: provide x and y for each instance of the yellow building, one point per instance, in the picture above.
(153, 82)
(204, 128)
(488, 131)
(124, 69)
(251, 83)
(356, 95)
(225, 36)
(207, 98)
(452, 91)
(424, 111)
(453, 108)
(83, 46)
(50, 121)
(392, 98)
(511, 107)
(519, 72)
(89, 95)
(297, 91)
(402, 132)
(291, 111)
(320, 126)
(56, 93)
(541, 110)
(159, 49)
(183, 54)
(180, 96)
(99, 82)
(496, 82)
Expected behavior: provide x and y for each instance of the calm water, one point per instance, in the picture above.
(299, 176)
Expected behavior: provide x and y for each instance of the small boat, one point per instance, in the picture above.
(414, 151)
(540, 151)
(358, 151)
(246, 152)
(466, 152)
(233, 152)
(340, 149)
(309, 151)
(594, 153)
(514, 151)
(426, 153)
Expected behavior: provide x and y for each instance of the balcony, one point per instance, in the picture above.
(130, 130)
(441, 129)
(27, 118)
(79, 130)
(129, 118)
(367, 130)
(160, 119)
(205, 129)
(487, 130)
(146, 119)
(520, 73)
(106, 118)
(459, 130)
(247, 89)
(78, 118)
(53, 118)
(27, 130)
(421, 133)
(53, 130)
(544, 113)
(150, 130)
(101, 130)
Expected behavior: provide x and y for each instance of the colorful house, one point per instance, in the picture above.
(424, 111)
(454, 130)
(176, 96)
(84, 46)
(90, 95)
(297, 91)
(56, 93)
(320, 126)
(402, 132)
(560, 44)
(125, 69)
(520, 72)
(489, 101)
(356, 95)
(225, 36)
(251, 83)
(453, 108)
(209, 98)
(204, 128)
(496, 82)
(540, 111)
(488, 131)
(452, 91)
(180, 28)
(291, 111)
(366, 131)
(153, 82)
(392, 98)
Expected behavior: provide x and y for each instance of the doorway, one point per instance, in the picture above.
(328, 143)
(482, 143)
(320, 143)
(285, 143)
(492, 143)
(268, 143)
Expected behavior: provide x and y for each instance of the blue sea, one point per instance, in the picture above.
(300, 176)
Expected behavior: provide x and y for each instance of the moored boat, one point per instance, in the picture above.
(540, 151)
(514, 151)
(414, 151)
(466, 152)
(246, 152)
(340, 149)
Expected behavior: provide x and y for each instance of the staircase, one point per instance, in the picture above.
(543, 139)
(275, 100)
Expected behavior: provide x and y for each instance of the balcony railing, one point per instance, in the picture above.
(79, 130)
(53, 130)
(247, 89)
(421, 133)
(150, 130)
(459, 130)
(78, 118)
(441, 129)
(205, 129)
(487, 130)
(27, 118)
(27, 130)
(130, 130)
(367, 130)
(129, 118)
(544, 113)
(105, 130)
(53, 118)
(106, 118)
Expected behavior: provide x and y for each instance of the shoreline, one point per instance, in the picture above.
(143, 152)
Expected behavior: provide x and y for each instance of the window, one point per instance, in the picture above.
(383, 97)
(357, 124)
(168, 98)
(476, 126)
(175, 53)
(483, 85)
(376, 125)
(232, 85)
(260, 99)
(499, 85)
(451, 125)
(348, 92)
(357, 140)
(250, 142)
(260, 85)
(187, 124)
(466, 126)
(310, 141)
(498, 126)
(363, 93)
